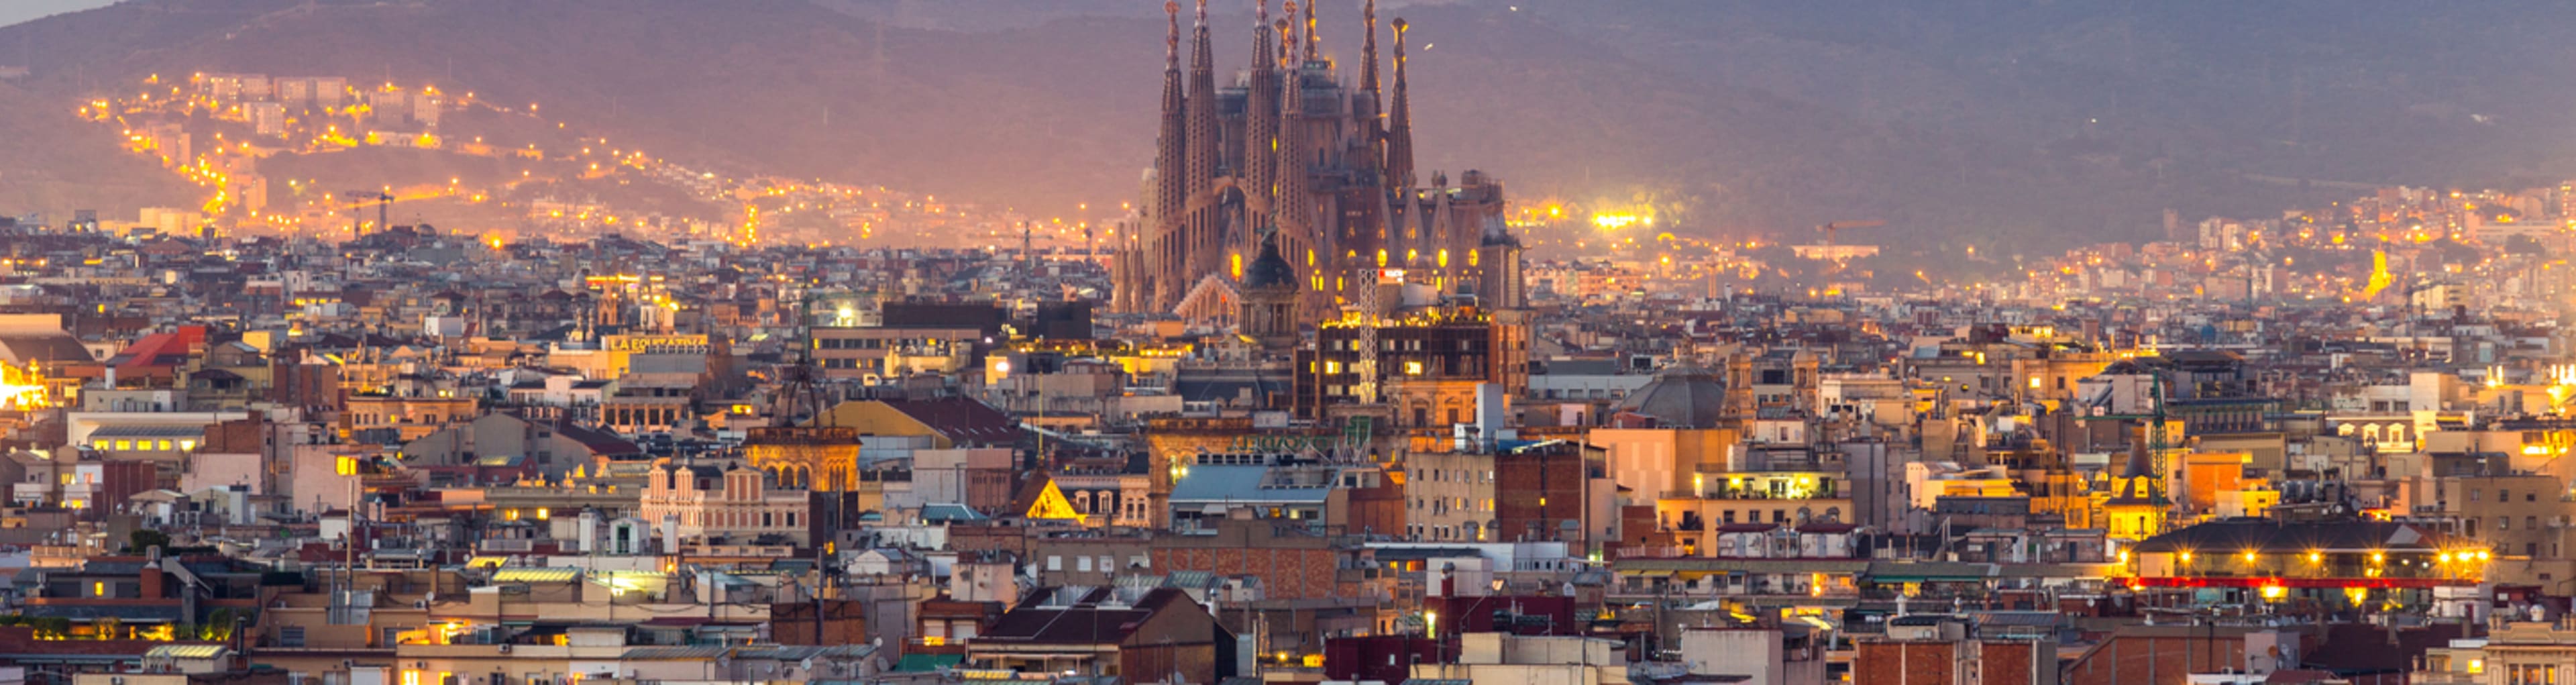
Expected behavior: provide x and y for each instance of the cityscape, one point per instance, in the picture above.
(379, 379)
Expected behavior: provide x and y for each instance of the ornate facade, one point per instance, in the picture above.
(1290, 146)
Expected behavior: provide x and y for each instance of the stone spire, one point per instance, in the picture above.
(1261, 118)
(1203, 135)
(1399, 123)
(1294, 197)
(1201, 224)
(1314, 38)
(1288, 39)
(1170, 192)
(1368, 53)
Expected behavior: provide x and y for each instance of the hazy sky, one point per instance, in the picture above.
(14, 11)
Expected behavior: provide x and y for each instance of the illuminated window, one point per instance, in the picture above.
(123, 445)
(348, 466)
(163, 446)
(1413, 368)
(187, 444)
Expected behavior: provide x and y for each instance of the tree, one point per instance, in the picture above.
(146, 538)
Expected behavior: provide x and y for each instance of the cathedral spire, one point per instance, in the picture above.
(1203, 229)
(1399, 123)
(1314, 38)
(1289, 208)
(1288, 40)
(1261, 118)
(1201, 105)
(1169, 191)
(1368, 54)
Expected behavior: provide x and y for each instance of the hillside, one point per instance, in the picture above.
(1996, 123)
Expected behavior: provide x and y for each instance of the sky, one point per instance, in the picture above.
(16, 11)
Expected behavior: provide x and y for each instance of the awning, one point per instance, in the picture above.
(1926, 579)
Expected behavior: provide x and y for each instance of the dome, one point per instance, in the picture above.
(1269, 270)
(1684, 396)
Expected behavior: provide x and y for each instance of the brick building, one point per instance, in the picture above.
(1945, 650)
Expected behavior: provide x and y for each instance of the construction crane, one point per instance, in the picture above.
(359, 198)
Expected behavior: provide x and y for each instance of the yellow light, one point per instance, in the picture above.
(2376, 557)
(2273, 593)
(2249, 556)
(544, 513)
(2316, 557)
(2186, 557)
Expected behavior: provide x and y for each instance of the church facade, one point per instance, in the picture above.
(1292, 155)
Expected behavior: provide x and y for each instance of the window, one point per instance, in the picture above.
(293, 637)
(388, 636)
(1082, 564)
(1055, 563)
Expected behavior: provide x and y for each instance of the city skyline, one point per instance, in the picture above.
(887, 342)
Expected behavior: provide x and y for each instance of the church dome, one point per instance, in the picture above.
(1269, 270)
(1684, 396)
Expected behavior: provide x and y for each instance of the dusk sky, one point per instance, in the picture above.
(16, 11)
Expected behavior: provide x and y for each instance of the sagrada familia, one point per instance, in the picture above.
(1291, 165)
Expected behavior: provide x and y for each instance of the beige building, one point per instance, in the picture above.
(1449, 496)
(2515, 654)
(2522, 517)
(723, 500)
(1505, 659)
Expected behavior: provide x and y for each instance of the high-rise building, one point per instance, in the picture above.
(1289, 147)
(267, 118)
